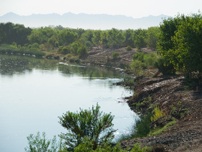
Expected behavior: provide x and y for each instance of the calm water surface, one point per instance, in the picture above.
(33, 93)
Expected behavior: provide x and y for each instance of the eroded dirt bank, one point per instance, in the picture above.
(170, 94)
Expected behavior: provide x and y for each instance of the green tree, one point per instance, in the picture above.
(92, 123)
(66, 37)
(129, 34)
(120, 39)
(104, 39)
(152, 37)
(187, 41)
(96, 37)
(140, 38)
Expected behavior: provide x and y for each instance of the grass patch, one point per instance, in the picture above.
(163, 129)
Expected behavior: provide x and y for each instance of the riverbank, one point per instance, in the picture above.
(169, 93)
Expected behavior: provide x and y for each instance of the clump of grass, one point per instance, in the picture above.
(163, 129)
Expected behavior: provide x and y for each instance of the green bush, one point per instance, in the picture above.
(139, 56)
(82, 50)
(150, 59)
(88, 45)
(164, 66)
(92, 123)
(65, 50)
(129, 48)
(41, 144)
(35, 45)
(137, 67)
(115, 55)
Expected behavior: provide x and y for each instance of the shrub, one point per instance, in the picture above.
(89, 45)
(82, 50)
(92, 123)
(65, 50)
(164, 66)
(150, 59)
(129, 48)
(35, 45)
(139, 56)
(137, 67)
(74, 47)
(115, 55)
(41, 144)
(158, 113)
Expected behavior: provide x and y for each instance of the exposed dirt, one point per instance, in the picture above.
(166, 92)
(99, 56)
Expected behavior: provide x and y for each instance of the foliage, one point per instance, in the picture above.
(129, 48)
(129, 35)
(91, 123)
(21, 51)
(163, 129)
(152, 37)
(82, 50)
(88, 45)
(35, 45)
(180, 43)
(164, 66)
(139, 56)
(87, 146)
(157, 114)
(140, 128)
(96, 37)
(66, 37)
(115, 55)
(137, 67)
(150, 59)
(140, 38)
(10, 33)
(41, 144)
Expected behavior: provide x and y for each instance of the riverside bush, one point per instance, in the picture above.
(38, 144)
(164, 66)
(92, 123)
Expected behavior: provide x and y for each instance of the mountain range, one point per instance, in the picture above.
(85, 21)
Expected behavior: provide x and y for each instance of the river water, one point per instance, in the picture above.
(34, 92)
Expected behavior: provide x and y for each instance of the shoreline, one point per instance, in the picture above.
(168, 93)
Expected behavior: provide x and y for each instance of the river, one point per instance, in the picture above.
(34, 92)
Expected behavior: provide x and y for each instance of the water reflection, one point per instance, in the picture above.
(10, 65)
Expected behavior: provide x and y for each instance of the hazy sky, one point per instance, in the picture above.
(132, 8)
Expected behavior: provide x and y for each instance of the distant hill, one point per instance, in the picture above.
(85, 21)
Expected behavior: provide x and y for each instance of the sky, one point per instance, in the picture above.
(130, 8)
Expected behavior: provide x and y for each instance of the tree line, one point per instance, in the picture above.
(45, 38)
